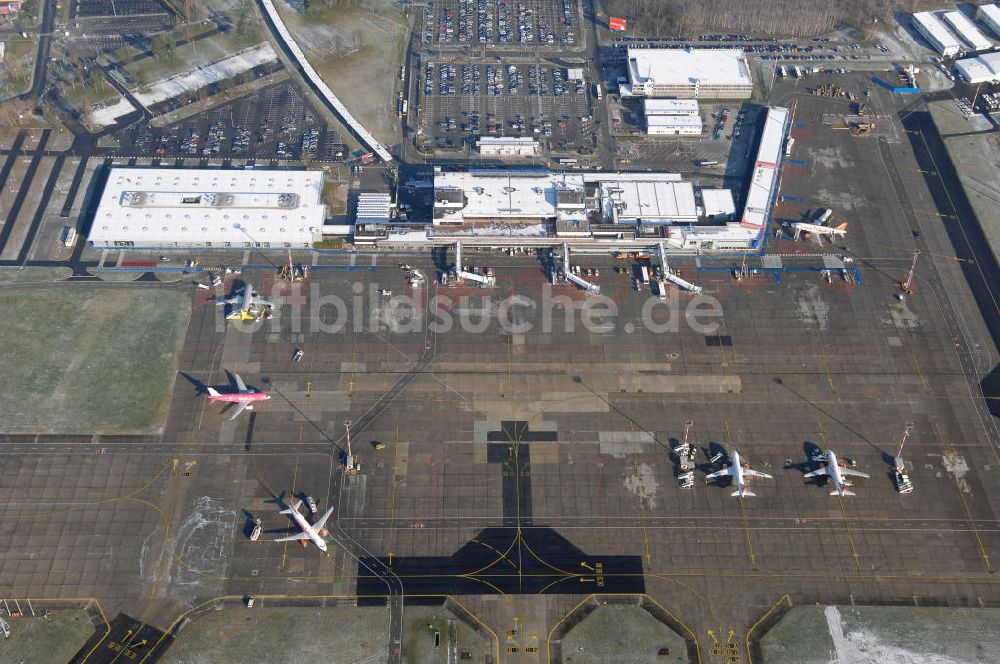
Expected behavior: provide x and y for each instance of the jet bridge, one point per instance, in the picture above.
(470, 276)
(669, 275)
(568, 272)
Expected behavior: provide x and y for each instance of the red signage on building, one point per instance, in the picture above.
(617, 24)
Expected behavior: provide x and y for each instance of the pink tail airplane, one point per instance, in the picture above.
(243, 398)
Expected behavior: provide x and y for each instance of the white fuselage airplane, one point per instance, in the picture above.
(245, 306)
(739, 472)
(313, 532)
(815, 229)
(836, 471)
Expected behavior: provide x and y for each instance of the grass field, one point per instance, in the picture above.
(883, 634)
(357, 50)
(34, 275)
(200, 52)
(19, 56)
(282, 634)
(622, 635)
(89, 359)
(418, 640)
(53, 639)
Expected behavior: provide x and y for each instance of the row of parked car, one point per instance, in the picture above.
(472, 21)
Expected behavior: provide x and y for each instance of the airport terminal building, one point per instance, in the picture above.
(688, 74)
(488, 199)
(212, 208)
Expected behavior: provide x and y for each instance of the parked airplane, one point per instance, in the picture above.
(815, 231)
(246, 306)
(313, 532)
(738, 471)
(243, 398)
(836, 471)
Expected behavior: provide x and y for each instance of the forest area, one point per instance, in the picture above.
(753, 17)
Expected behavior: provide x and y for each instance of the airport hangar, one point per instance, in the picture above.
(980, 69)
(210, 208)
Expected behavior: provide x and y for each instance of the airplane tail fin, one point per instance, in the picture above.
(845, 493)
(294, 508)
(212, 392)
(734, 494)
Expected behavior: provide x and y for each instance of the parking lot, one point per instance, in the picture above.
(272, 123)
(465, 100)
(121, 17)
(505, 22)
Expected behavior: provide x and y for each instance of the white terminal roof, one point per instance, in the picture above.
(980, 69)
(764, 178)
(498, 196)
(506, 140)
(650, 200)
(670, 106)
(669, 66)
(681, 121)
(967, 30)
(715, 202)
(771, 138)
(163, 206)
(933, 27)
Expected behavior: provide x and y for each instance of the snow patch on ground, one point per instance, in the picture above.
(107, 115)
(503, 230)
(199, 77)
(812, 308)
(861, 647)
(641, 482)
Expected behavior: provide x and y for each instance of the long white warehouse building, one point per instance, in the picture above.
(967, 31)
(187, 207)
(989, 15)
(981, 69)
(764, 180)
(938, 36)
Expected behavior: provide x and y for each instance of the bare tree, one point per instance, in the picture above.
(765, 17)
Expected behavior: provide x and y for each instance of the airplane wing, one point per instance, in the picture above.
(816, 473)
(239, 409)
(756, 473)
(240, 385)
(322, 520)
(855, 473)
(300, 536)
(719, 473)
(229, 301)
